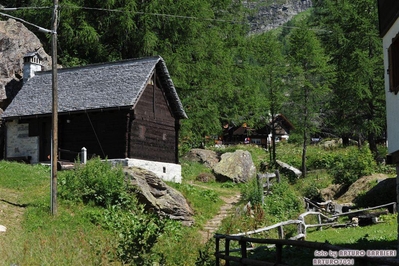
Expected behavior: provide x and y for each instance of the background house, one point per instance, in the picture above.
(259, 136)
(388, 12)
(126, 109)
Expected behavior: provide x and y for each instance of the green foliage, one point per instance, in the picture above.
(100, 184)
(206, 255)
(137, 234)
(352, 164)
(252, 192)
(312, 192)
(191, 170)
(283, 203)
(97, 182)
(350, 36)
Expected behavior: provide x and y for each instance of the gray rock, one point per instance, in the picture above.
(16, 41)
(237, 166)
(158, 196)
(207, 157)
(266, 16)
(289, 168)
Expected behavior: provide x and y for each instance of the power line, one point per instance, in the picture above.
(26, 22)
(3, 8)
(158, 15)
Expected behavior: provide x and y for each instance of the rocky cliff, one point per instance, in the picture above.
(15, 42)
(267, 14)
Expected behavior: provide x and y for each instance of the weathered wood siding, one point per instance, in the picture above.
(153, 130)
(101, 133)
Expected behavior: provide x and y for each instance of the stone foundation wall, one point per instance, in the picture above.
(18, 142)
(166, 171)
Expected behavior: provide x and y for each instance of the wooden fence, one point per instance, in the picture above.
(243, 240)
(242, 257)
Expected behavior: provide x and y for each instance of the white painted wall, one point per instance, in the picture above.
(392, 100)
(19, 143)
(166, 171)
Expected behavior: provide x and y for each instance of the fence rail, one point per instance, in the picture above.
(279, 243)
(243, 240)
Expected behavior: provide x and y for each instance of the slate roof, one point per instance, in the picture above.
(100, 86)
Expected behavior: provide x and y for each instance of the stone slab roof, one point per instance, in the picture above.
(94, 87)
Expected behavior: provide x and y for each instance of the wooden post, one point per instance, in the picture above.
(278, 176)
(54, 143)
(319, 220)
(243, 245)
(279, 253)
(217, 251)
(281, 232)
(260, 186)
(227, 251)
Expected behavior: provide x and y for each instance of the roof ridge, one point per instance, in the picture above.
(103, 64)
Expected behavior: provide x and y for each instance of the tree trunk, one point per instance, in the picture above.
(373, 145)
(345, 141)
(304, 148)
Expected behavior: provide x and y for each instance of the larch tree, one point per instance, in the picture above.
(272, 75)
(310, 80)
(350, 35)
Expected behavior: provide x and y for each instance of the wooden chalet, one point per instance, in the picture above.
(388, 13)
(125, 109)
(260, 136)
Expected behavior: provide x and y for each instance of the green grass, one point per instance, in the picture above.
(34, 237)
(71, 237)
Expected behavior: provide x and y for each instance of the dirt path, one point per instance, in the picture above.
(212, 225)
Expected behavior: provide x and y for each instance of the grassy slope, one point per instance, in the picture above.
(34, 237)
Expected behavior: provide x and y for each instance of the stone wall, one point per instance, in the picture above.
(19, 143)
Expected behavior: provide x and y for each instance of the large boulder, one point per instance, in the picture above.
(159, 197)
(16, 41)
(237, 166)
(207, 157)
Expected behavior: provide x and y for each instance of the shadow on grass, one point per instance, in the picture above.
(15, 204)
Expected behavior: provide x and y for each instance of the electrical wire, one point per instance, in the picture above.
(26, 22)
(162, 15)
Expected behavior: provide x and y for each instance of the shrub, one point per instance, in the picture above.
(96, 182)
(283, 203)
(351, 165)
(252, 192)
(137, 233)
(100, 184)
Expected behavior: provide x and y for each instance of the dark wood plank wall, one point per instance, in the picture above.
(101, 133)
(149, 132)
(153, 133)
(388, 12)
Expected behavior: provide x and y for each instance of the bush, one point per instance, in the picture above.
(100, 184)
(252, 192)
(96, 182)
(351, 165)
(283, 204)
(137, 233)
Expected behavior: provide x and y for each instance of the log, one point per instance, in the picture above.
(288, 167)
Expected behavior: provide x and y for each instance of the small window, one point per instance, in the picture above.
(393, 57)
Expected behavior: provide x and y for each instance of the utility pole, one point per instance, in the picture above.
(54, 143)
(54, 132)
